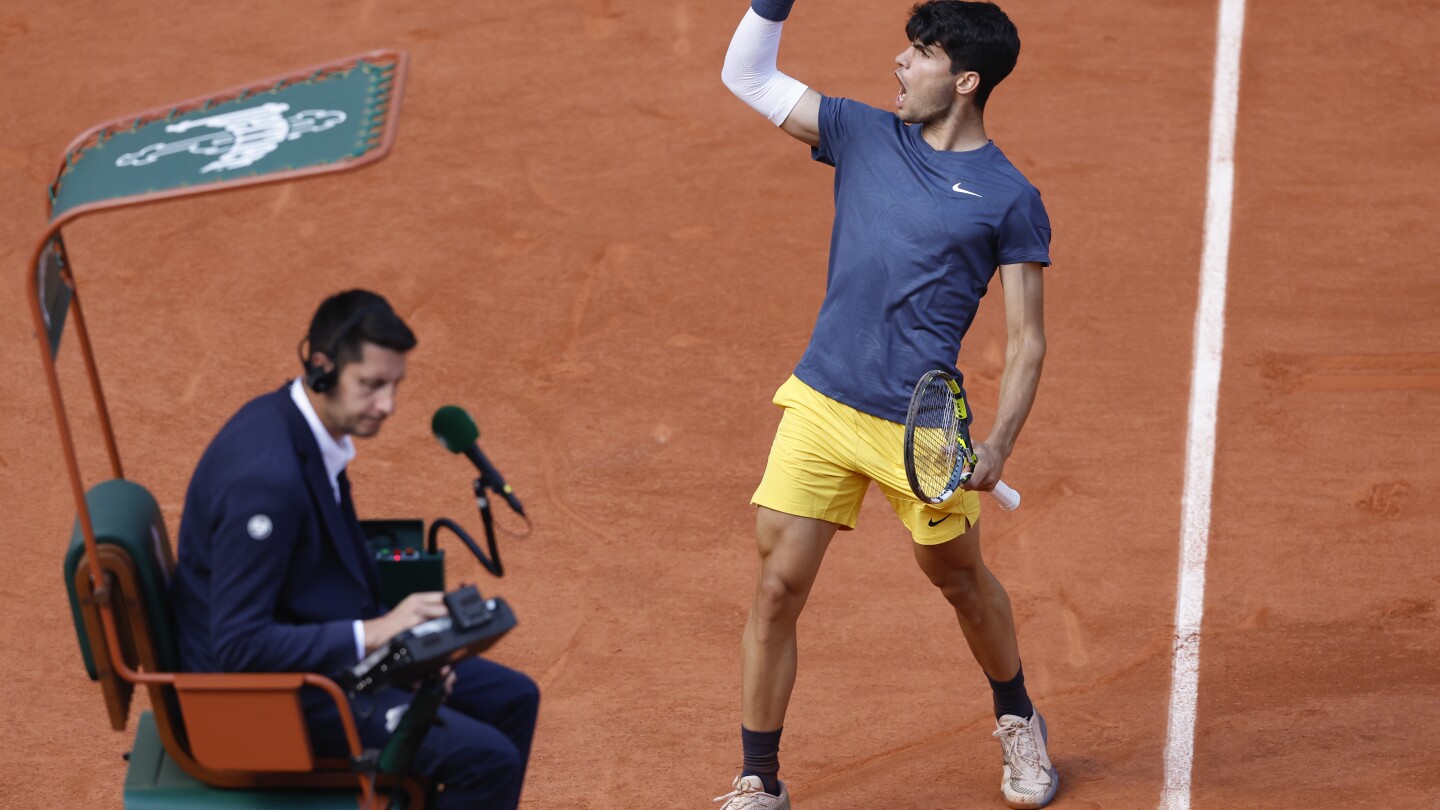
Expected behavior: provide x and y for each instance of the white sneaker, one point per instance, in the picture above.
(1029, 780)
(749, 794)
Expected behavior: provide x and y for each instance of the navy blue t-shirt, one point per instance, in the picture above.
(918, 235)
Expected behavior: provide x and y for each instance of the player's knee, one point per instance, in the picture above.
(778, 600)
(960, 586)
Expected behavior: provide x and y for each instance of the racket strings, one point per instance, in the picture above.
(937, 429)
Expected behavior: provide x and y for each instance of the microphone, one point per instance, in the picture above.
(458, 433)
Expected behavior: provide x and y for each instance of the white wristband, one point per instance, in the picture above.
(750, 71)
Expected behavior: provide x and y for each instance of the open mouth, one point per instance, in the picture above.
(900, 97)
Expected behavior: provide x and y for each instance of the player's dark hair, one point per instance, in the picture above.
(376, 323)
(976, 36)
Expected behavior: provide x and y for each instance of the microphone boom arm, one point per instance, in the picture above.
(491, 562)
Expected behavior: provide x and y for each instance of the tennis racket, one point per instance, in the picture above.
(938, 455)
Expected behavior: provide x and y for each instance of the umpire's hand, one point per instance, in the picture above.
(414, 609)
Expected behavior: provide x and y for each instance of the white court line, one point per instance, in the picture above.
(1204, 393)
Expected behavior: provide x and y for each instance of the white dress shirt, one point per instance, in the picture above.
(336, 455)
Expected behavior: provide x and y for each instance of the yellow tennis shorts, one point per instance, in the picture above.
(824, 457)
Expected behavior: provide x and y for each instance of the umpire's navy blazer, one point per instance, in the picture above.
(272, 573)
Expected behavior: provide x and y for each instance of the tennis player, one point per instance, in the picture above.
(926, 209)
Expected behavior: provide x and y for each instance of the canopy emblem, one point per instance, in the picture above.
(247, 136)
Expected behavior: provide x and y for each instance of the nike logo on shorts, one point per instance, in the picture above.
(935, 523)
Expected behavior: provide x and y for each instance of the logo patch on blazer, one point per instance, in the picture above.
(259, 527)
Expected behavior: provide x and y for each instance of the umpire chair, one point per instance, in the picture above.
(208, 740)
(244, 732)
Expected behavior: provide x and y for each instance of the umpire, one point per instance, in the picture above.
(274, 575)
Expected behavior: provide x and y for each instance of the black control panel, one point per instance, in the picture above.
(473, 626)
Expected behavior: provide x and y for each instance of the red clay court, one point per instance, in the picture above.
(576, 202)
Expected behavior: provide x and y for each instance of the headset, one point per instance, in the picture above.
(318, 378)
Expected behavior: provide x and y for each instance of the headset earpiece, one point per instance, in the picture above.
(319, 378)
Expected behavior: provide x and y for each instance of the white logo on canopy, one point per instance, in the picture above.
(247, 136)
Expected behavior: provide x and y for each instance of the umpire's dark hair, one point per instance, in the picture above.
(370, 319)
(976, 36)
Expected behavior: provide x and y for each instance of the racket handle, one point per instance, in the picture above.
(1008, 498)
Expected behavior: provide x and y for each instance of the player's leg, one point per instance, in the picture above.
(791, 549)
(981, 605)
(947, 547)
(809, 490)
(980, 602)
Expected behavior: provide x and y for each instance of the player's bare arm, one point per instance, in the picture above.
(1024, 286)
(803, 123)
(750, 73)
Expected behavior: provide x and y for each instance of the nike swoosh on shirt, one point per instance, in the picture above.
(957, 188)
(934, 523)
